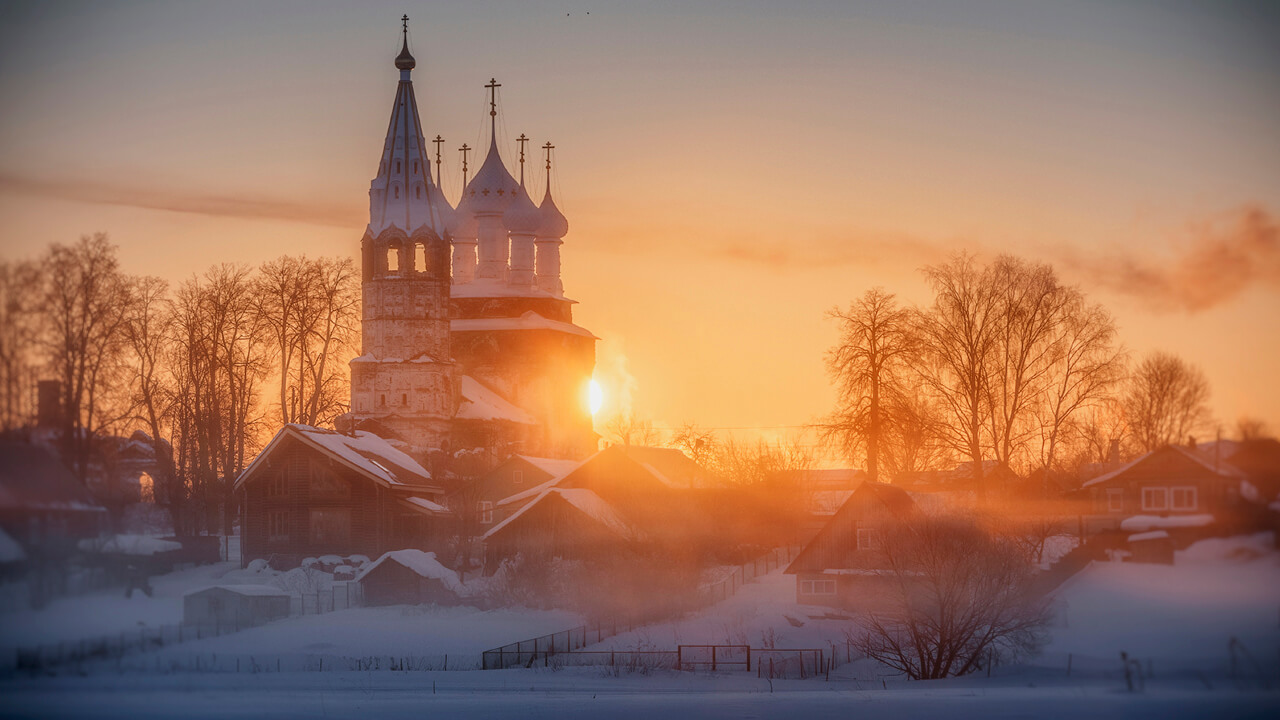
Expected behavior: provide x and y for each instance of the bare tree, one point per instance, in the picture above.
(961, 597)
(1086, 367)
(1248, 428)
(1166, 400)
(697, 443)
(85, 308)
(626, 429)
(957, 337)
(868, 366)
(19, 325)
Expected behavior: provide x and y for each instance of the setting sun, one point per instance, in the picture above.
(595, 396)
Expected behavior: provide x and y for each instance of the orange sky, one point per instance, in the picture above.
(730, 170)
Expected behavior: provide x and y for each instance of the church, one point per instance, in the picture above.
(468, 346)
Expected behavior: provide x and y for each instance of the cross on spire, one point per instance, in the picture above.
(493, 96)
(464, 150)
(438, 142)
(522, 140)
(548, 147)
(404, 26)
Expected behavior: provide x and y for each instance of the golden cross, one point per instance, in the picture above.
(404, 27)
(522, 140)
(438, 141)
(548, 147)
(464, 149)
(493, 96)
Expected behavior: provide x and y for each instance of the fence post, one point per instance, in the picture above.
(748, 658)
(713, 658)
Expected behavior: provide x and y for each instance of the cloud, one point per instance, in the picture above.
(229, 206)
(835, 252)
(1221, 261)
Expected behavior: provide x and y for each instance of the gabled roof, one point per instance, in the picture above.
(363, 452)
(1223, 469)
(670, 467)
(582, 500)
(554, 467)
(423, 564)
(894, 499)
(32, 478)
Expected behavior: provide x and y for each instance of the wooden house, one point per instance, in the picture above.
(43, 508)
(408, 577)
(1175, 483)
(235, 606)
(619, 497)
(314, 492)
(516, 475)
(843, 566)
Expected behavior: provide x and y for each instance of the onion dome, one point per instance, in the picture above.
(493, 188)
(462, 221)
(405, 61)
(522, 216)
(553, 223)
(441, 209)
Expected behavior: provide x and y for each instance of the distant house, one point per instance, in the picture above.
(234, 606)
(1171, 482)
(42, 506)
(408, 577)
(517, 474)
(314, 492)
(843, 566)
(997, 478)
(616, 498)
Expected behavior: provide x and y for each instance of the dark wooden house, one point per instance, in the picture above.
(42, 506)
(517, 474)
(408, 577)
(843, 565)
(314, 492)
(1172, 482)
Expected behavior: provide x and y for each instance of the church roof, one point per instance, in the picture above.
(522, 217)
(403, 195)
(553, 223)
(481, 403)
(528, 321)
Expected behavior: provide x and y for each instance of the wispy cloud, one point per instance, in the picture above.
(230, 206)
(839, 251)
(1220, 261)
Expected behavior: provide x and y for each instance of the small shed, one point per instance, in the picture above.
(235, 605)
(408, 577)
(1154, 546)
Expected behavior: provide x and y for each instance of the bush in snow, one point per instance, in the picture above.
(257, 566)
(357, 561)
(962, 597)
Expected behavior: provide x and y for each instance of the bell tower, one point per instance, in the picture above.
(404, 384)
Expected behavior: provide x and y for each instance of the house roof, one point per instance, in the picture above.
(895, 499)
(32, 478)
(551, 466)
(250, 590)
(423, 564)
(481, 403)
(362, 452)
(1194, 456)
(584, 501)
(668, 466)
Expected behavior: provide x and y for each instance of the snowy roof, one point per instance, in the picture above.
(129, 545)
(481, 403)
(1221, 469)
(827, 502)
(554, 467)
(493, 287)
(254, 590)
(421, 563)
(532, 492)
(1140, 523)
(421, 504)
(528, 321)
(1150, 535)
(363, 452)
(32, 478)
(582, 500)
(553, 223)
(10, 550)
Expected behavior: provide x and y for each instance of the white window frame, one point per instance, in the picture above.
(517, 477)
(484, 509)
(868, 539)
(1115, 500)
(1192, 490)
(817, 587)
(1150, 493)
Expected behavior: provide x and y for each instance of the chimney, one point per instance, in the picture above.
(48, 404)
(1191, 442)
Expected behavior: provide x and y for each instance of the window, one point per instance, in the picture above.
(868, 539)
(331, 528)
(517, 477)
(485, 509)
(278, 525)
(278, 485)
(393, 259)
(418, 191)
(396, 190)
(1155, 498)
(397, 170)
(817, 587)
(382, 400)
(420, 257)
(415, 172)
(1184, 498)
(1115, 500)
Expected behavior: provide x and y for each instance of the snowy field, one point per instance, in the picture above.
(1176, 620)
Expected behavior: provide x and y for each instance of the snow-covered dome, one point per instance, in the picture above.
(462, 222)
(493, 188)
(442, 210)
(553, 223)
(522, 216)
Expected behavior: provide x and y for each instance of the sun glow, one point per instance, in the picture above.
(595, 396)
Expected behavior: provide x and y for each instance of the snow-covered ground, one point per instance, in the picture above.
(1176, 620)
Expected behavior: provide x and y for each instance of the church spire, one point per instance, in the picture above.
(404, 194)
